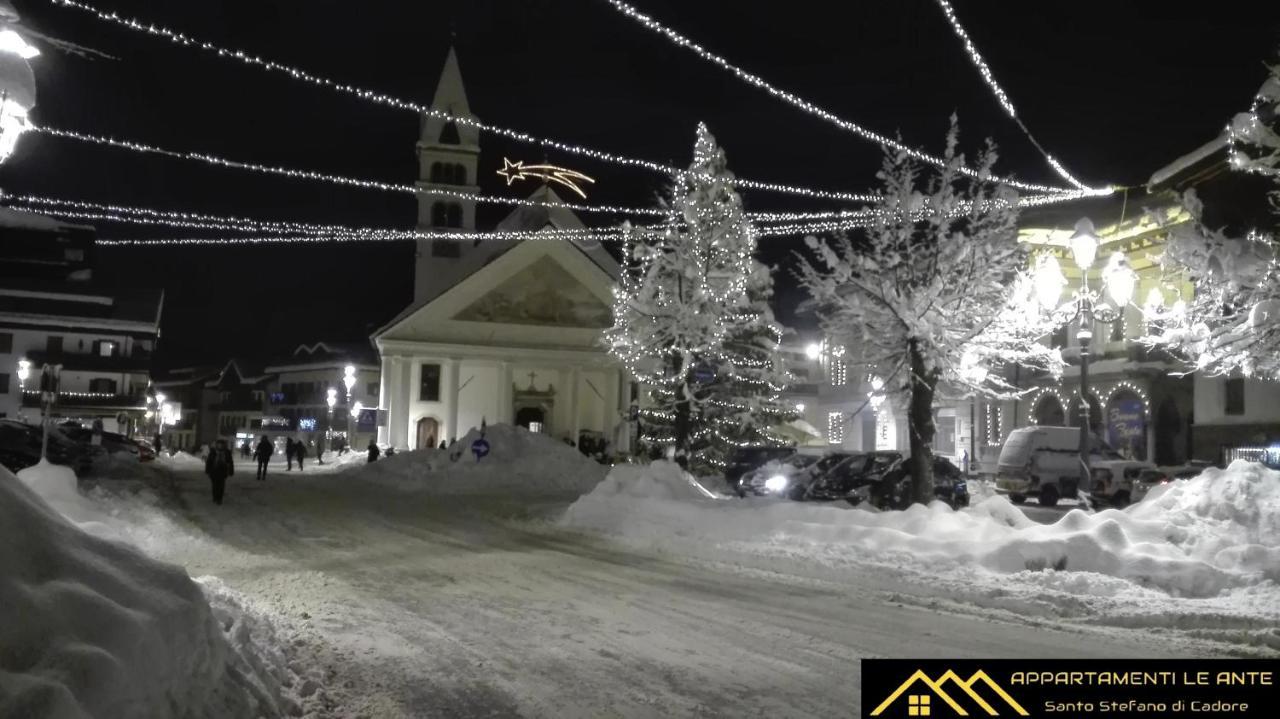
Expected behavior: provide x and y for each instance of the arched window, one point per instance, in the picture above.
(454, 215)
(449, 135)
(459, 175)
(1049, 412)
(438, 172)
(439, 215)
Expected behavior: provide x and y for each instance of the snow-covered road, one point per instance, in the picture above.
(448, 606)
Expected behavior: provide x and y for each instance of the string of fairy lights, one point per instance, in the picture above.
(272, 231)
(420, 109)
(790, 98)
(1003, 98)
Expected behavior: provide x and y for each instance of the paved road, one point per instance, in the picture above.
(428, 606)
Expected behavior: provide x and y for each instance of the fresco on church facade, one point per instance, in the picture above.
(543, 293)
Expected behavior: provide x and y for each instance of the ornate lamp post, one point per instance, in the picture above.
(1087, 305)
(975, 374)
(349, 380)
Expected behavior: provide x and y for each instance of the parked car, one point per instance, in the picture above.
(1149, 479)
(1044, 462)
(893, 489)
(1115, 481)
(17, 452)
(747, 459)
(851, 479)
(791, 476)
(20, 447)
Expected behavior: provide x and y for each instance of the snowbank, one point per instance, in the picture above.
(519, 462)
(1194, 538)
(95, 627)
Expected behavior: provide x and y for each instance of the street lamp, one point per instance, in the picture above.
(975, 374)
(24, 371)
(17, 82)
(1087, 305)
(331, 400)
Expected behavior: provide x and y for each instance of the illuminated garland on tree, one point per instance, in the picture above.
(683, 299)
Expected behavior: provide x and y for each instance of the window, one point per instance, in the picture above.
(104, 348)
(918, 705)
(4, 383)
(53, 344)
(448, 173)
(449, 134)
(1233, 396)
(535, 427)
(103, 385)
(835, 427)
(1117, 330)
(6, 342)
(372, 389)
(446, 214)
(429, 387)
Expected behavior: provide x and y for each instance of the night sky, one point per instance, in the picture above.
(1115, 89)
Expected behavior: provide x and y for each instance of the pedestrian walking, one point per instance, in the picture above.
(290, 452)
(219, 466)
(373, 451)
(300, 452)
(263, 454)
(320, 449)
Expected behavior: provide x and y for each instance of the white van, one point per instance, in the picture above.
(1044, 462)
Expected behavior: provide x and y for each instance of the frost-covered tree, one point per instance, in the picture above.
(743, 405)
(1232, 323)
(934, 294)
(686, 293)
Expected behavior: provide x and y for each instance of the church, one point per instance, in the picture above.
(498, 331)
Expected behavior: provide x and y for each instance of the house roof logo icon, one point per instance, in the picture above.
(962, 688)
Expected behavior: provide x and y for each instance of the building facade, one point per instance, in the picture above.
(498, 331)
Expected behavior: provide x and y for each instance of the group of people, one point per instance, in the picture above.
(220, 465)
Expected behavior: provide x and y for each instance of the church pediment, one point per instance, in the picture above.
(545, 294)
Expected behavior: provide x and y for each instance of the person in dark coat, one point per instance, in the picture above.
(443, 445)
(289, 452)
(300, 452)
(373, 451)
(219, 466)
(263, 454)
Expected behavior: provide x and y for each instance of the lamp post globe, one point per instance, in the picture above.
(17, 82)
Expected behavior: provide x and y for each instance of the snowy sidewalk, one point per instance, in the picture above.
(420, 605)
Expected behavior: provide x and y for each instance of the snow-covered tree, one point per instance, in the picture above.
(689, 290)
(934, 294)
(743, 403)
(1232, 323)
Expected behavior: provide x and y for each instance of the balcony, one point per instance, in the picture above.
(137, 363)
(88, 400)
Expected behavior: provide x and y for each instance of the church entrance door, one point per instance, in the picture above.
(428, 433)
(532, 419)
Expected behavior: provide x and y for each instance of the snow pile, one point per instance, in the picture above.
(519, 462)
(95, 627)
(1229, 518)
(179, 460)
(1195, 538)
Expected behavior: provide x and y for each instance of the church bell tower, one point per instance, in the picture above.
(448, 159)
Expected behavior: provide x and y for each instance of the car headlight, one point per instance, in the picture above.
(776, 483)
(863, 492)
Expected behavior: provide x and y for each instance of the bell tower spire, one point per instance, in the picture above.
(448, 159)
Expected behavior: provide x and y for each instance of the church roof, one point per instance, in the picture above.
(484, 252)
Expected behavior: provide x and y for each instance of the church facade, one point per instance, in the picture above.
(498, 331)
